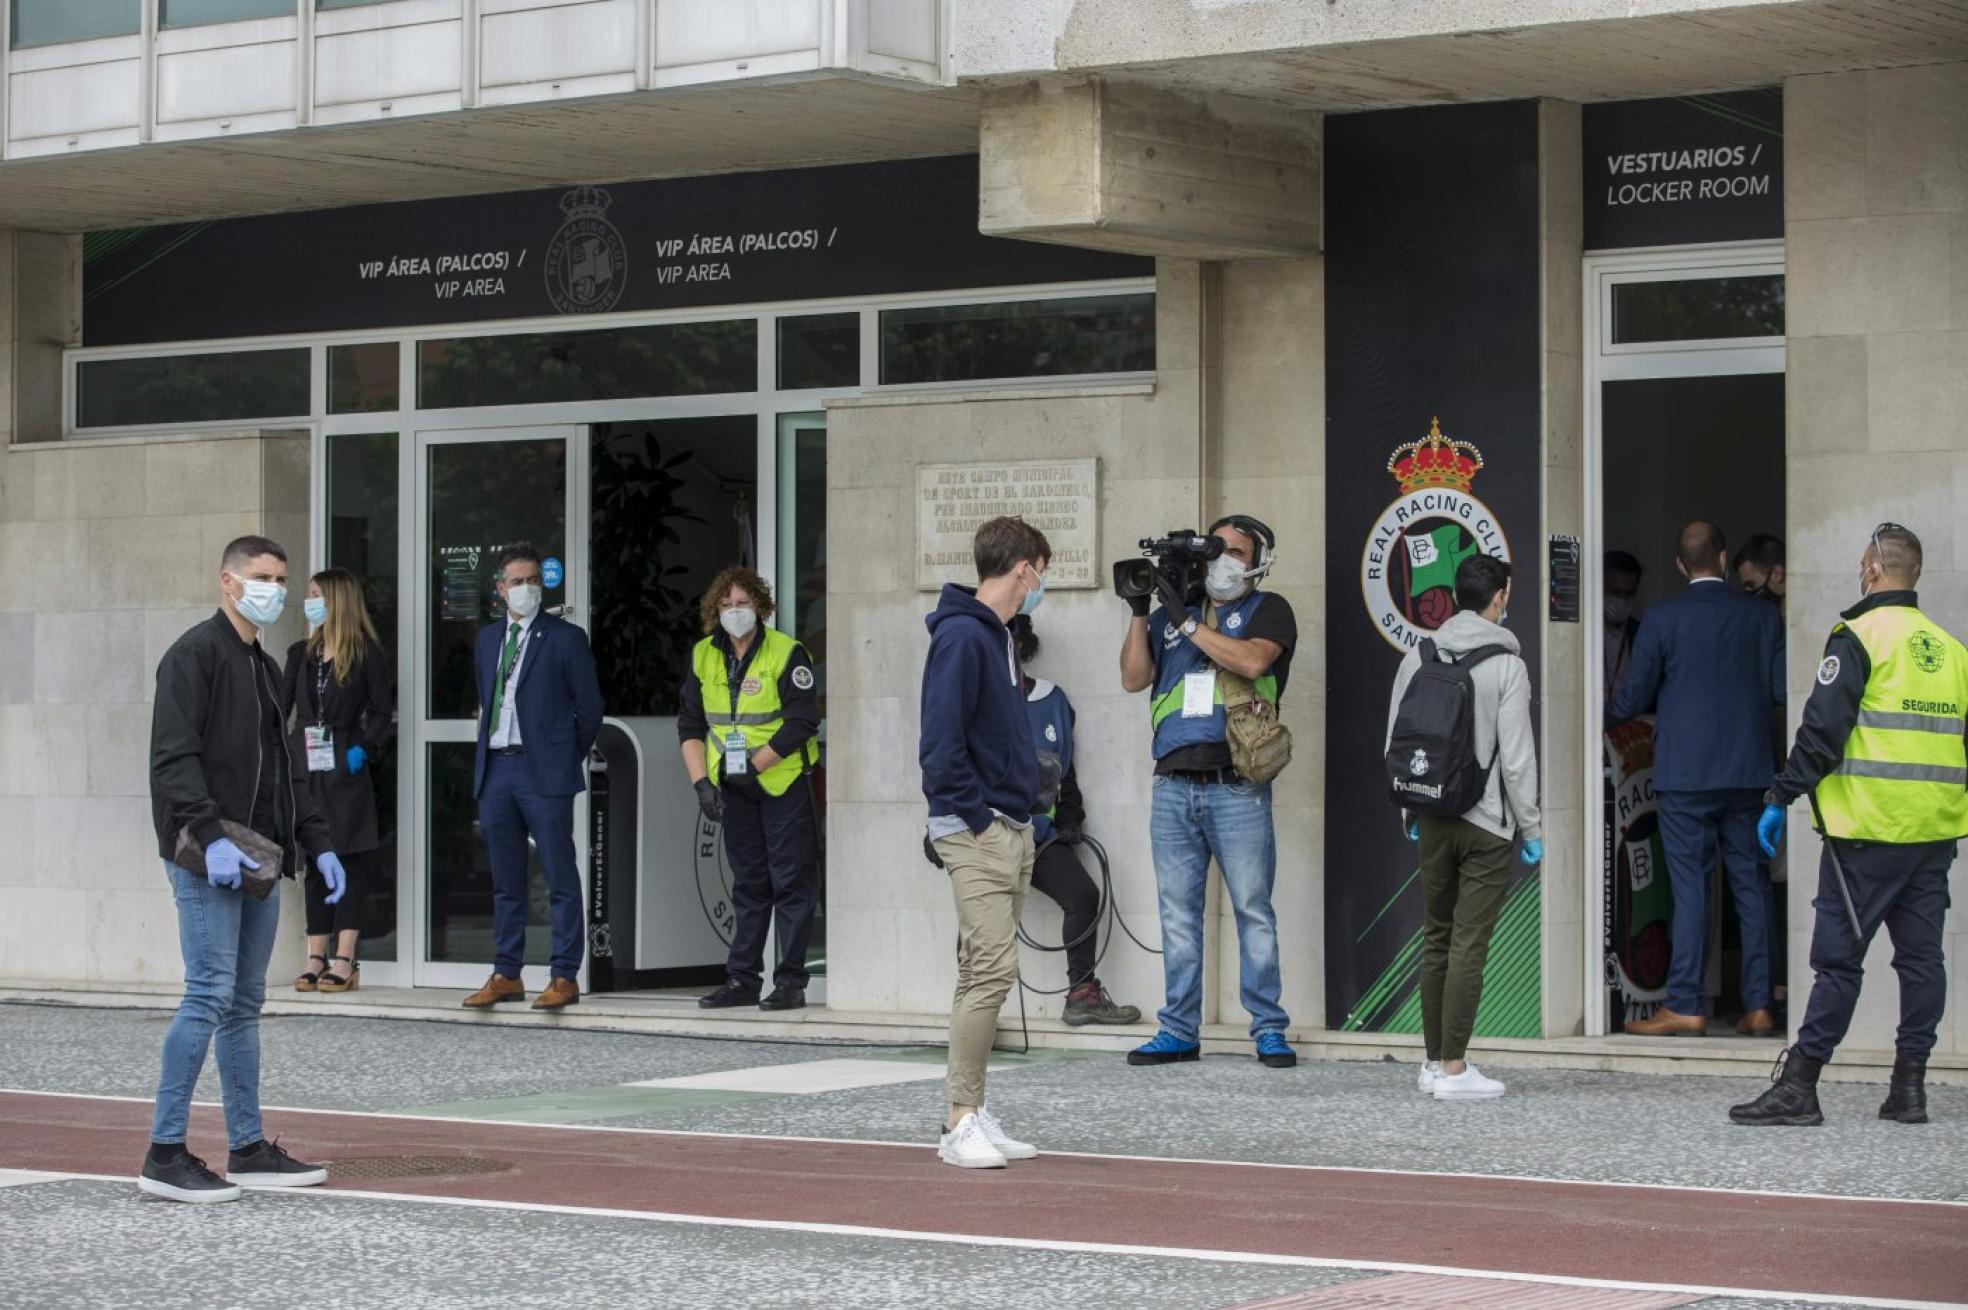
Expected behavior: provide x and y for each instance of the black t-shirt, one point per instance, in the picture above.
(1273, 621)
(270, 816)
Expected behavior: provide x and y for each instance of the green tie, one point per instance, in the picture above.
(505, 671)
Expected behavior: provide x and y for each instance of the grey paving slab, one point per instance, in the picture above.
(89, 1244)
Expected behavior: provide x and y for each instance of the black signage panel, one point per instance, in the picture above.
(1683, 171)
(1561, 570)
(863, 229)
(1432, 449)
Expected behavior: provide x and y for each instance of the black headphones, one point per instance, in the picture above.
(1257, 531)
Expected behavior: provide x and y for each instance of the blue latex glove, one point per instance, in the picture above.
(331, 873)
(1533, 852)
(1769, 828)
(223, 861)
(357, 757)
(1414, 830)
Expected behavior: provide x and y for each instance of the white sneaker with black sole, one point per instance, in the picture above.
(1430, 1071)
(1007, 1146)
(966, 1146)
(264, 1164)
(1469, 1085)
(182, 1176)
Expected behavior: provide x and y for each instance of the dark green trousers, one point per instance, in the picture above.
(1465, 873)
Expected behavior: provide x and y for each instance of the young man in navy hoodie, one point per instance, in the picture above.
(980, 775)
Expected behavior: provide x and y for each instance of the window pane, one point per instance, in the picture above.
(197, 13)
(219, 388)
(674, 501)
(48, 22)
(1701, 309)
(681, 359)
(343, 4)
(362, 508)
(820, 350)
(362, 379)
(1023, 338)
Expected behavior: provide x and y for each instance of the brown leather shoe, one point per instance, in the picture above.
(1757, 1023)
(560, 994)
(1668, 1023)
(497, 988)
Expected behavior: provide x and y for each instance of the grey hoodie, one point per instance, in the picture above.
(1503, 712)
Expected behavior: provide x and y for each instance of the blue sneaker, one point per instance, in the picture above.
(1166, 1048)
(1274, 1053)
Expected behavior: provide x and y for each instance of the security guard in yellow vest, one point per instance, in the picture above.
(1883, 751)
(748, 715)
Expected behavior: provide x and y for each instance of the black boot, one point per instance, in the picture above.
(1792, 1099)
(1906, 1097)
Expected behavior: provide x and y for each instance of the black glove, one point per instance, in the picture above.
(1177, 607)
(929, 852)
(1067, 832)
(1140, 605)
(709, 800)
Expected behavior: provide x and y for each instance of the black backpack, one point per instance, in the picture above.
(1431, 756)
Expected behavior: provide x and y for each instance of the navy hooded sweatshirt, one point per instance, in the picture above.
(976, 751)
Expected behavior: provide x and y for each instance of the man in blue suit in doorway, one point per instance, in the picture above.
(540, 708)
(1710, 663)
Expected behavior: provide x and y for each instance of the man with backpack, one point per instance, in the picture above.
(1462, 764)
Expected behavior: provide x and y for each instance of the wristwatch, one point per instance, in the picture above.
(1189, 626)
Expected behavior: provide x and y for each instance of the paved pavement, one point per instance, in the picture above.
(557, 1200)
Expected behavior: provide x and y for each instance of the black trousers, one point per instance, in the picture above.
(1904, 887)
(1060, 875)
(772, 846)
(345, 915)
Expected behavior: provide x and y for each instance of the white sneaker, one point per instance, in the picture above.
(1430, 1071)
(966, 1146)
(1009, 1147)
(1469, 1085)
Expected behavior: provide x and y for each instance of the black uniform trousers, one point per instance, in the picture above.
(1905, 887)
(1059, 875)
(772, 847)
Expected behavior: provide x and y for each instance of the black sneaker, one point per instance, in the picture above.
(264, 1164)
(785, 998)
(178, 1175)
(731, 994)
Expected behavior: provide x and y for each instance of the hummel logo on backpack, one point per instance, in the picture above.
(1431, 758)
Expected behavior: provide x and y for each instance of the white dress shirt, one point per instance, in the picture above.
(505, 732)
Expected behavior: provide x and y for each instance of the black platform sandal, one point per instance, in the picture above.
(335, 982)
(311, 980)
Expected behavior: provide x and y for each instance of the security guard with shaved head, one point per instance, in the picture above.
(1883, 754)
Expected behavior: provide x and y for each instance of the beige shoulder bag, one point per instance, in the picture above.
(1260, 745)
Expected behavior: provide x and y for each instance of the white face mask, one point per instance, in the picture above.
(1225, 579)
(1618, 609)
(260, 603)
(523, 599)
(739, 622)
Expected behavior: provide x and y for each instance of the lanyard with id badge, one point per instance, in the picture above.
(737, 755)
(320, 740)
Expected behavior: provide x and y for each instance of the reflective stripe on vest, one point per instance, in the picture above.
(758, 713)
(1904, 775)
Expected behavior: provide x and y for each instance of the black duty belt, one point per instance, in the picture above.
(1205, 775)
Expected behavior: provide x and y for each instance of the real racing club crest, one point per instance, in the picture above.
(1407, 571)
(587, 266)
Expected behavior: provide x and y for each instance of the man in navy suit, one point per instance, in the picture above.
(1710, 663)
(540, 708)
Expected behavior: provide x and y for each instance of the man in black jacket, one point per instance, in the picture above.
(218, 757)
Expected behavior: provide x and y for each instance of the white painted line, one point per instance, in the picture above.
(24, 1177)
(808, 1077)
(1755, 1193)
(1086, 1248)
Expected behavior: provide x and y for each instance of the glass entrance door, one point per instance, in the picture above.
(479, 491)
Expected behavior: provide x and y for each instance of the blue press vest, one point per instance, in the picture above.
(1052, 733)
(1175, 658)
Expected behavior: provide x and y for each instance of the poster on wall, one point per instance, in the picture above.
(1639, 900)
(1683, 170)
(739, 238)
(1432, 449)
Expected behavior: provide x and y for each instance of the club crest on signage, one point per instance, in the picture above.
(587, 265)
(1407, 571)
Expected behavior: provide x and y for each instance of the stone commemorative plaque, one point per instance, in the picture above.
(1058, 497)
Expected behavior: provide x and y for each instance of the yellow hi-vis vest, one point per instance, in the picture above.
(758, 712)
(1904, 777)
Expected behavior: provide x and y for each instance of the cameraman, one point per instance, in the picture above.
(1201, 806)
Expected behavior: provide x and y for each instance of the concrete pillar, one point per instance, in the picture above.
(40, 315)
(1112, 165)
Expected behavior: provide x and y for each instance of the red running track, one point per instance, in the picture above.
(1824, 1245)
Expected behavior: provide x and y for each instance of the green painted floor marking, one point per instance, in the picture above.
(584, 1104)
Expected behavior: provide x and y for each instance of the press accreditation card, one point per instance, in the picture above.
(320, 750)
(737, 759)
(1199, 694)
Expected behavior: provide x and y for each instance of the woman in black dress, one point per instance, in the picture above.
(341, 707)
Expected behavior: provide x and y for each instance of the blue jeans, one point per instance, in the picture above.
(1190, 821)
(227, 938)
(1693, 824)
